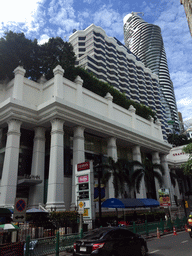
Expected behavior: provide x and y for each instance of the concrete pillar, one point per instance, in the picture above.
(111, 152)
(156, 160)
(55, 197)
(137, 157)
(18, 83)
(166, 178)
(10, 165)
(36, 194)
(78, 157)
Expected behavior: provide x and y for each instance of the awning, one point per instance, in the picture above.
(149, 202)
(113, 203)
(129, 203)
(36, 210)
(28, 182)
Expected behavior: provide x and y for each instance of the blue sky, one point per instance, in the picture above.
(42, 19)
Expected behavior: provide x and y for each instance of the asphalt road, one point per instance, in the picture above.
(170, 245)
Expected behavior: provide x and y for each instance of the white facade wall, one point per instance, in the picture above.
(60, 101)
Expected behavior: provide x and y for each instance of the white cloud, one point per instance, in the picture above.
(43, 39)
(18, 11)
(185, 101)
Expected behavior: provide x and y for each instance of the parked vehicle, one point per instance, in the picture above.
(111, 241)
(32, 246)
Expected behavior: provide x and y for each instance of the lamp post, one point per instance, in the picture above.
(99, 168)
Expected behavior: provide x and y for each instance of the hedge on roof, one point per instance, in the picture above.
(93, 84)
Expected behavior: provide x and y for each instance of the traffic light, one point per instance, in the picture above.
(186, 204)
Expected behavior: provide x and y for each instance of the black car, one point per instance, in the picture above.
(110, 241)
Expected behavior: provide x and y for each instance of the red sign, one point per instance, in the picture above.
(82, 179)
(83, 166)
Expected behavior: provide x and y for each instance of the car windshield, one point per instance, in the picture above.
(95, 234)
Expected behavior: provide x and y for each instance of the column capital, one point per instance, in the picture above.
(39, 133)
(111, 142)
(79, 131)
(155, 157)
(14, 126)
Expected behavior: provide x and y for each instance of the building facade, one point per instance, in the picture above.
(183, 189)
(110, 61)
(48, 127)
(187, 4)
(145, 41)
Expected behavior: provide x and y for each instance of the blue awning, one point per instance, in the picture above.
(129, 203)
(149, 202)
(113, 203)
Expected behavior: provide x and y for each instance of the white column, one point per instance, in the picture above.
(166, 178)
(111, 152)
(156, 160)
(10, 165)
(137, 157)
(36, 193)
(55, 197)
(78, 157)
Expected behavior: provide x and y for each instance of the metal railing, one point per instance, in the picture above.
(59, 243)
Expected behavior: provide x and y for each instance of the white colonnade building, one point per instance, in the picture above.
(47, 127)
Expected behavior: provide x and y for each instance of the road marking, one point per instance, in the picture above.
(153, 252)
(184, 241)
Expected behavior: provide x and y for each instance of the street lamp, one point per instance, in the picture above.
(99, 168)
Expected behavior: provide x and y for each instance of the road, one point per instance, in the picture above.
(170, 245)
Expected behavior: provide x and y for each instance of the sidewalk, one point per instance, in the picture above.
(61, 254)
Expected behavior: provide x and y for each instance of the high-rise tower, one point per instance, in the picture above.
(145, 41)
(110, 61)
(188, 10)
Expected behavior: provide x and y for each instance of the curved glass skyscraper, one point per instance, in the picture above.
(145, 41)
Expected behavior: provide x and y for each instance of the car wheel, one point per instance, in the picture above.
(143, 251)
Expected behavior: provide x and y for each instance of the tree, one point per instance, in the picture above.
(178, 139)
(148, 172)
(121, 173)
(16, 49)
(57, 52)
(187, 167)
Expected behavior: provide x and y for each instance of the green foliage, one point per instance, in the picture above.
(178, 140)
(187, 167)
(16, 49)
(147, 171)
(188, 149)
(69, 217)
(91, 83)
(121, 171)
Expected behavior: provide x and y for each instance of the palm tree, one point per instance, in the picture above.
(121, 172)
(147, 171)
